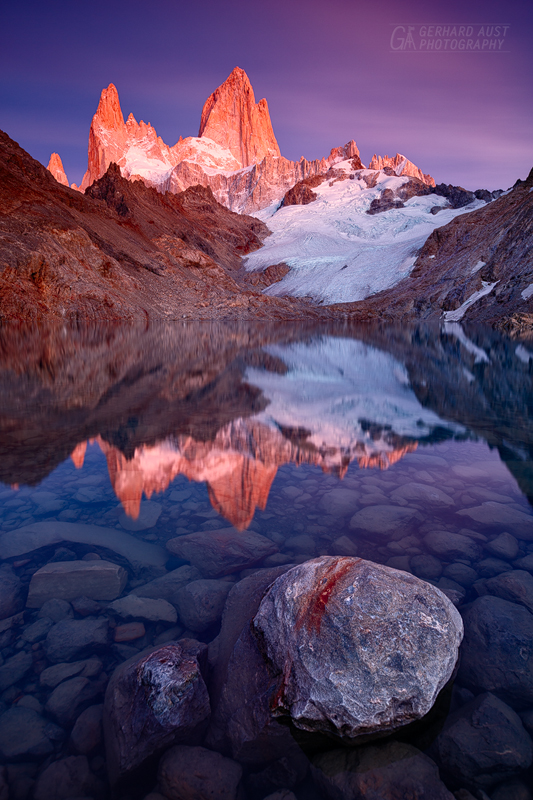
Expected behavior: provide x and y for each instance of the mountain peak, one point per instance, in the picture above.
(109, 113)
(401, 166)
(55, 166)
(232, 119)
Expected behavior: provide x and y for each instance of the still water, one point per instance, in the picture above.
(408, 447)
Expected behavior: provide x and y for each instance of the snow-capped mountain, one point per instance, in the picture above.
(339, 246)
(235, 153)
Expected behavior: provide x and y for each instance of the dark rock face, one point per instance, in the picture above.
(483, 743)
(497, 652)
(301, 193)
(154, 702)
(392, 771)
(196, 773)
(356, 648)
(384, 203)
(221, 552)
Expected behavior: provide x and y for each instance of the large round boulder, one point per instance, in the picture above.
(356, 648)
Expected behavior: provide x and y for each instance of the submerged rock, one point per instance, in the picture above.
(356, 648)
(25, 734)
(497, 653)
(392, 771)
(69, 778)
(483, 743)
(72, 638)
(221, 552)
(11, 592)
(152, 702)
(67, 580)
(194, 772)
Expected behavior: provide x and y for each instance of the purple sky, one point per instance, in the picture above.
(327, 71)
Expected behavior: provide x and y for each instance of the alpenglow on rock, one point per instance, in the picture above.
(359, 648)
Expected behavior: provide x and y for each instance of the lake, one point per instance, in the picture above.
(251, 448)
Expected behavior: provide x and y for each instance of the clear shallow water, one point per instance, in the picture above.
(338, 442)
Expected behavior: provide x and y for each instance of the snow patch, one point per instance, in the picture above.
(477, 267)
(336, 251)
(458, 313)
(528, 291)
(523, 354)
(456, 330)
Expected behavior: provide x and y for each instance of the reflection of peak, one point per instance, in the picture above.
(386, 459)
(78, 454)
(238, 466)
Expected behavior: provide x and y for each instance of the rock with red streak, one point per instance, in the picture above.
(355, 648)
(153, 702)
(55, 166)
(222, 552)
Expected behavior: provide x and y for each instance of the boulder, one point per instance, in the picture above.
(197, 774)
(148, 515)
(68, 778)
(167, 586)
(497, 652)
(43, 534)
(356, 648)
(67, 580)
(383, 520)
(15, 669)
(503, 546)
(516, 586)
(72, 638)
(25, 734)
(449, 546)
(152, 702)
(86, 734)
(391, 771)
(423, 494)
(200, 603)
(53, 676)
(496, 515)
(11, 592)
(339, 501)
(221, 552)
(483, 743)
(70, 697)
(56, 610)
(145, 608)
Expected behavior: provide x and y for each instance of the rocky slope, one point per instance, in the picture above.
(123, 251)
(479, 266)
(235, 153)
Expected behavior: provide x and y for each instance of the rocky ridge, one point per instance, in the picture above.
(478, 267)
(235, 153)
(122, 251)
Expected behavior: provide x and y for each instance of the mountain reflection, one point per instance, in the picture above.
(229, 405)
